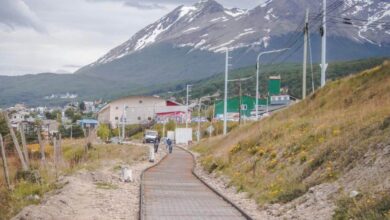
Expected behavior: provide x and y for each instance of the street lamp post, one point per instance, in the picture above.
(257, 76)
(200, 105)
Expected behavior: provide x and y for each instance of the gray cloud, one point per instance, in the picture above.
(15, 13)
(160, 4)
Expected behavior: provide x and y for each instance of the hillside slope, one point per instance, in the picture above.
(328, 155)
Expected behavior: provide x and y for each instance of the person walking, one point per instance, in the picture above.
(169, 143)
(156, 143)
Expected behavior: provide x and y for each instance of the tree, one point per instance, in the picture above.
(52, 115)
(69, 113)
(82, 106)
(3, 126)
(76, 117)
(103, 132)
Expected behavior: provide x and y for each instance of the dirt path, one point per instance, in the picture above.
(92, 195)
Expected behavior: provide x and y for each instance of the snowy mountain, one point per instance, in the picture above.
(208, 26)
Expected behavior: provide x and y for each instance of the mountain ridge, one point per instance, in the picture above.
(203, 26)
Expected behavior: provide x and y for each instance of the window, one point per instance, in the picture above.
(140, 101)
(116, 118)
(149, 118)
(117, 108)
(139, 118)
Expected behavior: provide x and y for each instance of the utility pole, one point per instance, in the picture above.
(199, 107)
(123, 122)
(71, 132)
(324, 65)
(240, 102)
(188, 90)
(226, 90)
(306, 31)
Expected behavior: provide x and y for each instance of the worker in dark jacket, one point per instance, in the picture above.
(169, 143)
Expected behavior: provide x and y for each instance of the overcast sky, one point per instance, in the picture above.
(60, 36)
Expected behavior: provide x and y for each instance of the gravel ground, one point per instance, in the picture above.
(92, 195)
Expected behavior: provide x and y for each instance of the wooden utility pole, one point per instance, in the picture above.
(25, 167)
(5, 165)
(306, 31)
(41, 145)
(59, 149)
(55, 150)
(24, 144)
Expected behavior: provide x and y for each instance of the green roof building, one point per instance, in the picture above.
(249, 103)
(233, 105)
(274, 84)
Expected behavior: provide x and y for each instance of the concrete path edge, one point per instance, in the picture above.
(141, 189)
(212, 189)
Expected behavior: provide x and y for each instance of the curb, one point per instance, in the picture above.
(214, 190)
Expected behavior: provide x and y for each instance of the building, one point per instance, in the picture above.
(233, 105)
(245, 106)
(88, 123)
(141, 110)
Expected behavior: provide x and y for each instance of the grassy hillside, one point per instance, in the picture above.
(319, 140)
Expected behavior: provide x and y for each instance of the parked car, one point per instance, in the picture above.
(150, 136)
(114, 140)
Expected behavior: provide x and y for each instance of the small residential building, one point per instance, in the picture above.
(88, 123)
(89, 106)
(141, 110)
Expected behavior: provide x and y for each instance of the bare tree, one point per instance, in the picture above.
(5, 164)
(25, 167)
(41, 145)
(24, 144)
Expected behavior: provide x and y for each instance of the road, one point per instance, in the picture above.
(171, 191)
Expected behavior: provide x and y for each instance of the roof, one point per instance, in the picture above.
(275, 77)
(88, 121)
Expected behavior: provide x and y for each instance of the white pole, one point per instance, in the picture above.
(187, 108)
(226, 90)
(123, 123)
(324, 65)
(305, 55)
(198, 134)
(257, 87)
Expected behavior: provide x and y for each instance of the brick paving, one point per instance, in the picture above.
(171, 191)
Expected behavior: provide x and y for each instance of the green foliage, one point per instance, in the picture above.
(103, 131)
(52, 115)
(3, 126)
(75, 130)
(69, 113)
(82, 106)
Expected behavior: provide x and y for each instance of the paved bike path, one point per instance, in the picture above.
(171, 191)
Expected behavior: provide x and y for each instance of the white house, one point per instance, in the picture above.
(140, 110)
